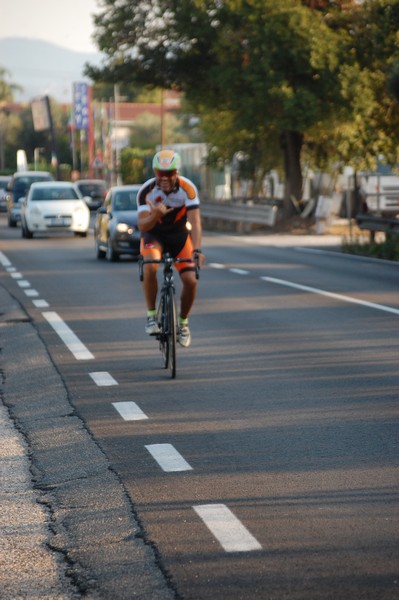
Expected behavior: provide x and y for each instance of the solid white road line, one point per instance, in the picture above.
(341, 297)
(102, 378)
(66, 334)
(168, 458)
(227, 529)
(129, 411)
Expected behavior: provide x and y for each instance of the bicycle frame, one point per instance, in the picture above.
(166, 313)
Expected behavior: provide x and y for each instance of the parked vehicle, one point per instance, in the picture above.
(54, 206)
(93, 190)
(115, 227)
(4, 181)
(18, 188)
(380, 193)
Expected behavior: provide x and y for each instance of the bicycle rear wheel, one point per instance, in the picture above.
(171, 332)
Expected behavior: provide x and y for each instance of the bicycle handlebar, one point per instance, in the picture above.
(168, 260)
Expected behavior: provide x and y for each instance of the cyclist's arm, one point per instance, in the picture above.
(194, 218)
(150, 214)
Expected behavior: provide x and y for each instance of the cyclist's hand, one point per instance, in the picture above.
(201, 258)
(159, 208)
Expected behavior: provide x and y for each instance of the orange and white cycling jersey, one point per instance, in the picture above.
(182, 198)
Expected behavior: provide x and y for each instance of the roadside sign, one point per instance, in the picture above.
(81, 105)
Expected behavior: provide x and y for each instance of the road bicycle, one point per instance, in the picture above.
(166, 312)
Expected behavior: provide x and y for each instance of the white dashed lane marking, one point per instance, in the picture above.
(129, 411)
(4, 261)
(227, 529)
(168, 458)
(239, 271)
(69, 338)
(40, 303)
(31, 293)
(102, 378)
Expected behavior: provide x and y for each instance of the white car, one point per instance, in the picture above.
(54, 206)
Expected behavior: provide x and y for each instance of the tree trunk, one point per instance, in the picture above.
(291, 144)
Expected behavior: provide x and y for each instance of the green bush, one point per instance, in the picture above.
(388, 250)
(135, 165)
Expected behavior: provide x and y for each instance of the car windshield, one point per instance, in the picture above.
(22, 184)
(95, 190)
(54, 193)
(125, 200)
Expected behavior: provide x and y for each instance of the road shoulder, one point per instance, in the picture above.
(67, 525)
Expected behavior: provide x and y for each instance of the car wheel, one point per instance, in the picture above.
(100, 254)
(11, 222)
(26, 233)
(112, 256)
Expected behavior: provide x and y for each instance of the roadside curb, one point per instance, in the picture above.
(67, 526)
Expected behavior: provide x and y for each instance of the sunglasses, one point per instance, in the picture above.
(160, 173)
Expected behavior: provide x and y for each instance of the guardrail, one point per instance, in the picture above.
(373, 223)
(240, 215)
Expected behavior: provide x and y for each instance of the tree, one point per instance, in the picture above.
(103, 91)
(317, 75)
(29, 139)
(7, 88)
(135, 165)
(378, 57)
(9, 122)
(274, 67)
(369, 76)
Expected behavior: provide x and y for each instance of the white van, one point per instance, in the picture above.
(381, 193)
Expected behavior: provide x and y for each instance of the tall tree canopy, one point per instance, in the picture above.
(276, 70)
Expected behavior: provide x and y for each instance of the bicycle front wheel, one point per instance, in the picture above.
(171, 331)
(163, 320)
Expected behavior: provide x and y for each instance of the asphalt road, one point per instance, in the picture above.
(269, 467)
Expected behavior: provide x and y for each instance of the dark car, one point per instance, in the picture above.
(115, 227)
(18, 188)
(93, 191)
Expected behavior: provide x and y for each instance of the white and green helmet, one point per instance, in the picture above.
(166, 160)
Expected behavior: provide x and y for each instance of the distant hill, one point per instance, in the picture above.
(42, 68)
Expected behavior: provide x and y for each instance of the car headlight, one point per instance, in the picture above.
(35, 212)
(80, 215)
(124, 228)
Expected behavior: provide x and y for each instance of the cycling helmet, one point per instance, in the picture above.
(166, 160)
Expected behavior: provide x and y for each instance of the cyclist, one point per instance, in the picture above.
(170, 221)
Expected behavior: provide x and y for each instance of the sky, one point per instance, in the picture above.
(67, 23)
